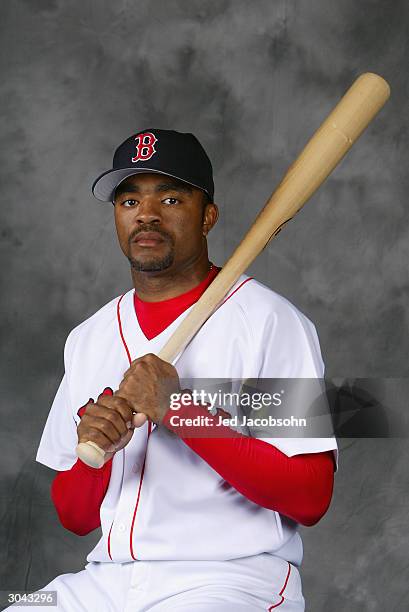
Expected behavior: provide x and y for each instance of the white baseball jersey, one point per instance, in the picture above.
(164, 502)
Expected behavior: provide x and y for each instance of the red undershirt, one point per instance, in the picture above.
(299, 487)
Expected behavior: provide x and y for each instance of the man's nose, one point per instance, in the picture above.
(148, 210)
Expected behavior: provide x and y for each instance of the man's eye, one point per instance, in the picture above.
(129, 203)
(170, 200)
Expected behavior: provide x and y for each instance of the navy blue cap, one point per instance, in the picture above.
(175, 154)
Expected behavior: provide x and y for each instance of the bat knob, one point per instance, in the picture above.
(90, 454)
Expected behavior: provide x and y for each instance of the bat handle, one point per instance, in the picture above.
(91, 454)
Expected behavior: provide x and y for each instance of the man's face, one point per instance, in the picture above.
(161, 222)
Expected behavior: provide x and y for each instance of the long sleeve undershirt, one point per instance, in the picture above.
(77, 495)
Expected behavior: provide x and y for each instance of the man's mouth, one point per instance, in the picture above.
(148, 239)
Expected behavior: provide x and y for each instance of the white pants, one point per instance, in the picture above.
(260, 582)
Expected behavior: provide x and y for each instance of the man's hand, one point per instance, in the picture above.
(108, 422)
(147, 386)
(143, 394)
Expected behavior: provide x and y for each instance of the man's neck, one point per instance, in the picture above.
(164, 285)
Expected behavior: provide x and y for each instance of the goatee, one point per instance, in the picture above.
(152, 265)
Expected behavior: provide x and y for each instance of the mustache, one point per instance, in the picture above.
(149, 228)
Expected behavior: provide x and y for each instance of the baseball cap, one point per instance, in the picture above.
(175, 154)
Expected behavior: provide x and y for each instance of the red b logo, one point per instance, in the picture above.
(144, 146)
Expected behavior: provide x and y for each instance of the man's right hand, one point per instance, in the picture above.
(108, 422)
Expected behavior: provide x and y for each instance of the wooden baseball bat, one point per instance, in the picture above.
(356, 109)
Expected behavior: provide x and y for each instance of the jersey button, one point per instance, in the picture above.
(136, 467)
(121, 527)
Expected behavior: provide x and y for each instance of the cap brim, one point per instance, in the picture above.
(104, 186)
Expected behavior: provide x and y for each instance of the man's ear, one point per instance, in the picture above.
(210, 216)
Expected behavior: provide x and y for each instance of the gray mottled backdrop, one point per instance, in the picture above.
(253, 80)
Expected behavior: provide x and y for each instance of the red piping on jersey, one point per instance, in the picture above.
(237, 288)
(149, 433)
(282, 590)
(139, 493)
(118, 316)
(120, 329)
(109, 542)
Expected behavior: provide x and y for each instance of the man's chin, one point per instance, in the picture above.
(151, 264)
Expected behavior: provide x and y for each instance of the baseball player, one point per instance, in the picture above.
(188, 522)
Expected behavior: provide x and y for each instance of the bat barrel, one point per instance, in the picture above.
(324, 151)
(333, 139)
